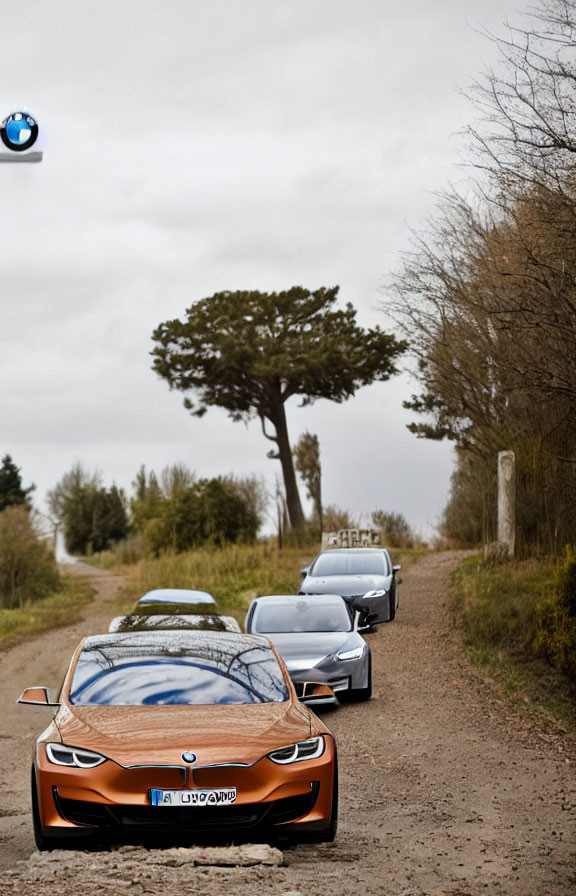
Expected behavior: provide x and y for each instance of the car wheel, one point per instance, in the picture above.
(43, 843)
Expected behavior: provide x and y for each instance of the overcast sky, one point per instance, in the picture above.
(193, 147)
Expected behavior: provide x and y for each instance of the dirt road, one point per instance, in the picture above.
(443, 789)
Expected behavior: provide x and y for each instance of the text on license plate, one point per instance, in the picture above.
(222, 796)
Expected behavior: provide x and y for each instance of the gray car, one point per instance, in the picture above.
(318, 640)
(364, 577)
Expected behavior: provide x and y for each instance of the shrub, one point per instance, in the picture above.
(395, 529)
(556, 620)
(497, 602)
(28, 570)
(210, 511)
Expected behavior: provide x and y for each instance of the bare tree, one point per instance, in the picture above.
(488, 295)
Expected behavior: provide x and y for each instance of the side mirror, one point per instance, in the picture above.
(360, 624)
(304, 571)
(316, 694)
(37, 696)
(397, 568)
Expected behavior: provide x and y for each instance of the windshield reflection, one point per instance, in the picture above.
(178, 668)
(203, 622)
(301, 616)
(333, 564)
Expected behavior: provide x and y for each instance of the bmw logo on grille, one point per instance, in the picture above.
(188, 756)
(19, 131)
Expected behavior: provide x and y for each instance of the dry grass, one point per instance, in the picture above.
(61, 608)
(496, 607)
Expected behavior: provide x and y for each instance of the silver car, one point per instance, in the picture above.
(364, 577)
(318, 640)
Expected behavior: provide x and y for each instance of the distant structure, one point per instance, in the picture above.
(351, 538)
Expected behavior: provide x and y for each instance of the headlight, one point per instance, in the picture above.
(304, 749)
(350, 654)
(73, 756)
(375, 594)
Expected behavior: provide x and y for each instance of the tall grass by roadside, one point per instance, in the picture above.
(60, 608)
(500, 609)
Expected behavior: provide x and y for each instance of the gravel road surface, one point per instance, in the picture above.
(445, 791)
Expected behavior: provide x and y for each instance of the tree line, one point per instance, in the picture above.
(175, 510)
(487, 297)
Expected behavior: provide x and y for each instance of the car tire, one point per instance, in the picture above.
(43, 843)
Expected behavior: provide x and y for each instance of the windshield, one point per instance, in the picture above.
(334, 563)
(301, 616)
(181, 668)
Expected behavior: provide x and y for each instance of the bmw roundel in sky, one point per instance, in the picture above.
(19, 133)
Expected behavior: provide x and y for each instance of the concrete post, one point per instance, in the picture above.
(506, 502)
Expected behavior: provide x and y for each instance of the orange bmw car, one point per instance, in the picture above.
(182, 732)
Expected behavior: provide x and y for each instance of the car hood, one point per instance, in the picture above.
(304, 650)
(158, 735)
(347, 586)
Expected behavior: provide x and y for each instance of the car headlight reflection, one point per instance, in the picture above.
(304, 749)
(73, 756)
(350, 654)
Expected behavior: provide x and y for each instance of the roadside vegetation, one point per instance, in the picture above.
(28, 570)
(518, 625)
(61, 607)
(487, 301)
(33, 594)
(487, 298)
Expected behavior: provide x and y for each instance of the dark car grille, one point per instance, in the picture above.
(184, 818)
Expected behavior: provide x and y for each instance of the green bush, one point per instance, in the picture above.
(517, 622)
(395, 531)
(210, 511)
(497, 602)
(556, 620)
(28, 570)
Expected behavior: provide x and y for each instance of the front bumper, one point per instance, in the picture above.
(340, 675)
(75, 802)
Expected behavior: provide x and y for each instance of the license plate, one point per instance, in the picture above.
(221, 796)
